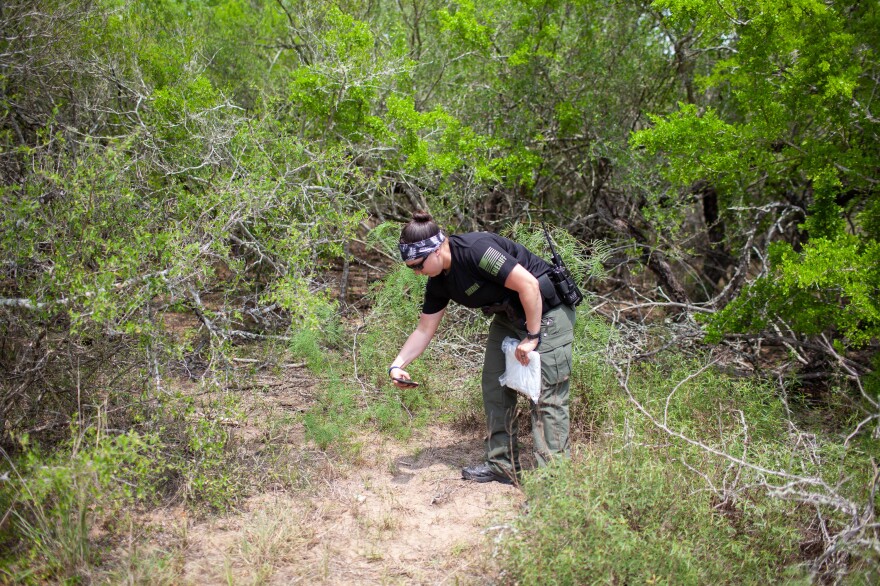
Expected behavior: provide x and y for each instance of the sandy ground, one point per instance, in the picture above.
(399, 514)
(402, 517)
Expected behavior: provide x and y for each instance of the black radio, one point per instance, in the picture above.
(565, 286)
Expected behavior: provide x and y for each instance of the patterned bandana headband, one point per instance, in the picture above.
(421, 248)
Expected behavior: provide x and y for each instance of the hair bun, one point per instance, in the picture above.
(421, 216)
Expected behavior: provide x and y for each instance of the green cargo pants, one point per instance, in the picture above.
(550, 419)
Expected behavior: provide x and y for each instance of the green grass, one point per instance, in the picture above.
(627, 516)
(356, 394)
(637, 505)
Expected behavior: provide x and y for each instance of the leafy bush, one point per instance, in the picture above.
(831, 286)
(652, 500)
(626, 514)
(57, 499)
(594, 394)
(632, 509)
(208, 469)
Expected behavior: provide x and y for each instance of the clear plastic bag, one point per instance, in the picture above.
(525, 380)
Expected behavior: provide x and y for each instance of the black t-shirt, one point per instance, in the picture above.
(481, 262)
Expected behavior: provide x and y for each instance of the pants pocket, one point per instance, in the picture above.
(559, 330)
(556, 365)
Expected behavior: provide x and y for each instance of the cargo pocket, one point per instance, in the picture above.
(559, 329)
(555, 366)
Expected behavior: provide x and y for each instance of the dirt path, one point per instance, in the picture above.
(400, 514)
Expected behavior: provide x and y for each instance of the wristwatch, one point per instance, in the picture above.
(531, 336)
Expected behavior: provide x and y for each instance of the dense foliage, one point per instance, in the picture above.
(177, 177)
(789, 144)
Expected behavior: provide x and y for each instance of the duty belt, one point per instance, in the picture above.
(549, 300)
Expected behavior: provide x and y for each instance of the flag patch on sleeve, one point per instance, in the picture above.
(492, 261)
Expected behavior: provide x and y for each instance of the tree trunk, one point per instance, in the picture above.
(655, 260)
(717, 260)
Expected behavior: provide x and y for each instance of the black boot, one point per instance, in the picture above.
(483, 473)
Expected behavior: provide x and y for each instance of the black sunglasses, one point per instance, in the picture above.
(421, 265)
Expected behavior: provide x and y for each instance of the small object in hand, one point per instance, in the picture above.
(405, 382)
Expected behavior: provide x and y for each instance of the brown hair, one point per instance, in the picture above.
(422, 226)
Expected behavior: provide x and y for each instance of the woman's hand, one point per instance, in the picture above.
(523, 349)
(401, 374)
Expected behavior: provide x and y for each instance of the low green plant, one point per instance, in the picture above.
(210, 477)
(311, 343)
(56, 498)
(333, 417)
(651, 500)
(342, 409)
(147, 566)
(633, 517)
(594, 393)
(203, 453)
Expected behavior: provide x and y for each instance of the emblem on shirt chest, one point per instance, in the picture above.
(472, 289)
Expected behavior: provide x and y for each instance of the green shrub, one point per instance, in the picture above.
(332, 419)
(56, 498)
(640, 505)
(342, 408)
(594, 391)
(305, 345)
(311, 343)
(631, 517)
(208, 470)
(199, 452)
